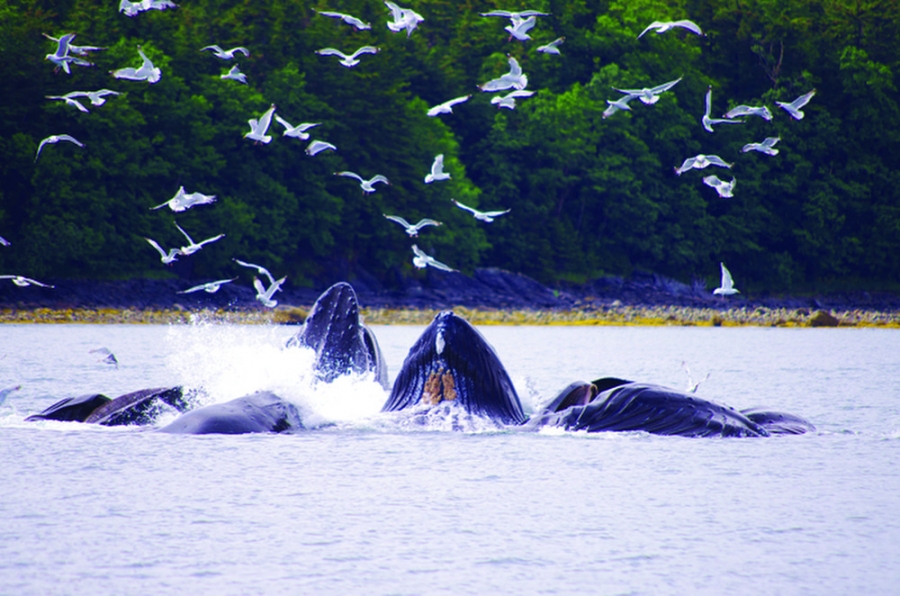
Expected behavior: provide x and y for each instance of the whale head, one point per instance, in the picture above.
(452, 362)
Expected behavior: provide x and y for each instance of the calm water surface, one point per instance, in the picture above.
(368, 505)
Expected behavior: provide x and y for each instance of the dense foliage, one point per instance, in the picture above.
(589, 196)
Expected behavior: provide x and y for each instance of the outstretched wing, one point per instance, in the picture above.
(353, 175)
(465, 207)
(399, 220)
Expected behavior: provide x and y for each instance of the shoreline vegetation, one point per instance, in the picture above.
(614, 314)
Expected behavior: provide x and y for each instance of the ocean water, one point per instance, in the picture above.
(368, 504)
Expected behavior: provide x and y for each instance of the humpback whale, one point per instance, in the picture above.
(342, 343)
(136, 408)
(452, 362)
(260, 412)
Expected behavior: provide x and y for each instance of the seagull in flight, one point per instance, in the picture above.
(235, 74)
(259, 268)
(700, 162)
(210, 287)
(552, 47)
(264, 294)
(97, 98)
(351, 60)
(368, 186)
(447, 106)
(726, 287)
(183, 200)
(508, 101)
(513, 79)
(146, 72)
(24, 282)
(349, 19)
(692, 386)
(519, 28)
(619, 104)
(422, 260)
(133, 8)
(297, 132)
(79, 50)
(52, 139)
(69, 98)
(485, 216)
(413, 230)
(192, 246)
(108, 356)
(316, 147)
(4, 393)
(707, 120)
(227, 54)
(437, 170)
(259, 127)
(522, 14)
(649, 95)
(793, 108)
(742, 110)
(4, 241)
(725, 189)
(663, 26)
(767, 146)
(403, 18)
(166, 257)
(61, 57)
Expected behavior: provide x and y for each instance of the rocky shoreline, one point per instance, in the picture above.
(487, 296)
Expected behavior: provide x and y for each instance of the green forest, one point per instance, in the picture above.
(589, 196)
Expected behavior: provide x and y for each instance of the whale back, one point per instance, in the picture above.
(260, 412)
(72, 409)
(452, 362)
(139, 407)
(779, 423)
(343, 345)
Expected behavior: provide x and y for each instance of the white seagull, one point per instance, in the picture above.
(662, 27)
(508, 101)
(4, 393)
(259, 127)
(166, 257)
(297, 132)
(133, 8)
(403, 18)
(519, 28)
(793, 108)
(692, 386)
(315, 147)
(726, 288)
(23, 282)
(351, 60)
(227, 54)
(146, 72)
(485, 216)
(108, 356)
(619, 104)
(725, 189)
(649, 95)
(422, 260)
(437, 170)
(742, 110)
(4, 241)
(69, 98)
(707, 120)
(61, 57)
(79, 50)
(349, 19)
(97, 97)
(259, 268)
(52, 139)
(413, 230)
(700, 162)
(522, 14)
(552, 47)
(513, 79)
(767, 146)
(447, 106)
(264, 294)
(184, 200)
(368, 186)
(235, 74)
(192, 246)
(210, 287)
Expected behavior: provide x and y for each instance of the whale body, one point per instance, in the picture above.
(261, 412)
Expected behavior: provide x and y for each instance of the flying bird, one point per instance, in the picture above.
(767, 146)
(69, 98)
(227, 54)
(4, 241)
(53, 139)
(700, 161)
(315, 147)
(485, 216)
(192, 246)
(368, 186)
(513, 79)
(350, 20)
(146, 72)
(24, 282)
(447, 106)
(108, 357)
(707, 120)
(422, 260)
(133, 8)
(552, 47)
(519, 28)
(413, 230)
(403, 18)
(351, 60)
(742, 110)
(210, 287)
(264, 294)
(259, 127)
(297, 132)
(166, 257)
(692, 386)
(663, 26)
(235, 74)
(61, 57)
(259, 268)
(184, 200)
(79, 50)
(508, 101)
(437, 170)
(793, 108)
(725, 189)
(726, 287)
(4, 393)
(617, 105)
(649, 95)
(522, 14)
